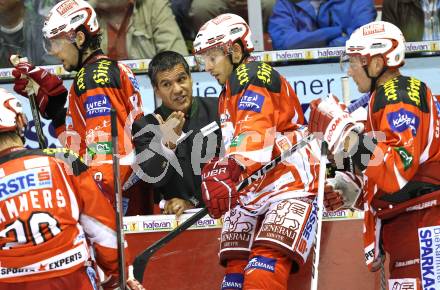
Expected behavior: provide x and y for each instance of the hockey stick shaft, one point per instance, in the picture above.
(37, 121)
(118, 195)
(345, 90)
(320, 205)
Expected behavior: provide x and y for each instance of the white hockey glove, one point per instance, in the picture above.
(343, 191)
(329, 118)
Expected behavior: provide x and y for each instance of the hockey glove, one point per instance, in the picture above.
(112, 283)
(50, 93)
(343, 191)
(219, 178)
(328, 118)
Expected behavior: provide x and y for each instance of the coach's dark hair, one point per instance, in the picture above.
(163, 61)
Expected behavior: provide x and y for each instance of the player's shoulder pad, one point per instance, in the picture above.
(403, 89)
(104, 73)
(69, 157)
(257, 73)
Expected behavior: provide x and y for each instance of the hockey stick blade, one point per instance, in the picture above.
(140, 262)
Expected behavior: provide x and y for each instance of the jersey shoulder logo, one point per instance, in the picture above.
(256, 73)
(403, 89)
(103, 73)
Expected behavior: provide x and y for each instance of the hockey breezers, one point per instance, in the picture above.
(141, 260)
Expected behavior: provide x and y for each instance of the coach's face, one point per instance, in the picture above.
(174, 87)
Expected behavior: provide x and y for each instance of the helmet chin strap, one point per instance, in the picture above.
(243, 57)
(374, 79)
(235, 65)
(80, 56)
(81, 50)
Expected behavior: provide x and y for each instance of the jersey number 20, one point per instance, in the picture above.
(39, 225)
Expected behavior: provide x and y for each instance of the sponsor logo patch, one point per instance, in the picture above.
(429, 243)
(97, 105)
(251, 101)
(238, 230)
(406, 158)
(236, 141)
(401, 120)
(66, 6)
(373, 29)
(262, 263)
(101, 73)
(402, 284)
(99, 148)
(69, 123)
(242, 74)
(437, 104)
(134, 82)
(24, 181)
(232, 281)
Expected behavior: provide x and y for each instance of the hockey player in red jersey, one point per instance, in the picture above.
(268, 227)
(71, 34)
(51, 211)
(398, 155)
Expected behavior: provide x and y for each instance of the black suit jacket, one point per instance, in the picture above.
(178, 174)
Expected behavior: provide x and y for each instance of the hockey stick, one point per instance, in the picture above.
(31, 88)
(140, 262)
(118, 193)
(320, 195)
(320, 205)
(345, 90)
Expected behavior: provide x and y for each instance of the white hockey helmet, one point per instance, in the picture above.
(378, 38)
(223, 31)
(10, 112)
(66, 16)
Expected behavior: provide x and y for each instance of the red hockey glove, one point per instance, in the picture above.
(327, 117)
(219, 178)
(343, 191)
(51, 95)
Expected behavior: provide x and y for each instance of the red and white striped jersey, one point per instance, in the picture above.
(261, 117)
(50, 209)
